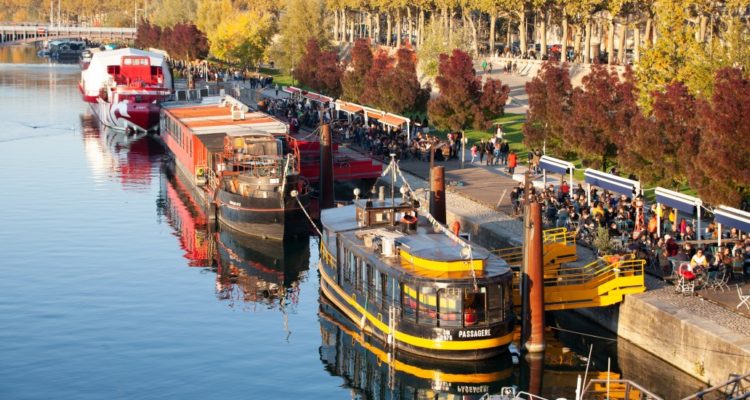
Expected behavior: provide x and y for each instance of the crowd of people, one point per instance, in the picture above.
(650, 233)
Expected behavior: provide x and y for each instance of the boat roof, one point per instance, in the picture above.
(446, 251)
(211, 117)
(424, 243)
(113, 57)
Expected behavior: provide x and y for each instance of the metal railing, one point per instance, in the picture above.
(595, 273)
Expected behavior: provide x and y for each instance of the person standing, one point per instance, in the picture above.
(512, 162)
(480, 150)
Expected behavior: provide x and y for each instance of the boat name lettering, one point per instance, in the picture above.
(234, 203)
(473, 334)
(473, 389)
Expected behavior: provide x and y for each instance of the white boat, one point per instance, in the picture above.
(125, 88)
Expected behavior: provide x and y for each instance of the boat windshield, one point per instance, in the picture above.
(456, 306)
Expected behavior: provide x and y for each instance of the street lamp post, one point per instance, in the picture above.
(292, 72)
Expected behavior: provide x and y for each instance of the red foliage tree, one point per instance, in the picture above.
(187, 42)
(659, 147)
(353, 81)
(400, 87)
(460, 89)
(462, 101)
(382, 65)
(329, 71)
(549, 106)
(307, 68)
(721, 169)
(601, 112)
(147, 35)
(494, 97)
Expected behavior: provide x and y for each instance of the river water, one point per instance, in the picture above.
(114, 287)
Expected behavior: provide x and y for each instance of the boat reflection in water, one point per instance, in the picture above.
(260, 271)
(248, 270)
(112, 154)
(363, 362)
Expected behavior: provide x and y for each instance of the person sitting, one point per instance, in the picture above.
(698, 261)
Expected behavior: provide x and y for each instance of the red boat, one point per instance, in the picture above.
(124, 88)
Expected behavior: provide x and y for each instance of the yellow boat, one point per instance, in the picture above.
(413, 284)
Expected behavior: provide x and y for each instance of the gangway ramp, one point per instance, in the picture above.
(600, 283)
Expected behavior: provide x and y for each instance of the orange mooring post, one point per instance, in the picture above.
(535, 272)
(437, 193)
(326, 167)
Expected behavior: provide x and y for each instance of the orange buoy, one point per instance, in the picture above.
(456, 227)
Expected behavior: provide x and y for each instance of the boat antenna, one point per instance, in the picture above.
(393, 180)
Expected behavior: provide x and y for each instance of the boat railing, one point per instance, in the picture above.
(257, 166)
(616, 389)
(594, 273)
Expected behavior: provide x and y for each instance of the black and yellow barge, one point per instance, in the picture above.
(417, 288)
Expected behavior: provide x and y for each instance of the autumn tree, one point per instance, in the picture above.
(460, 91)
(187, 42)
(167, 13)
(601, 111)
(319, 69)
(307, 67)
(300, 21)
(493, 99)
(721, 170)
(328, 77)
(660, 145)
(147, 35)
(382, 65)
(243, 37)
(400, 87)
(439, 39)
(353, 81)
(549, 107)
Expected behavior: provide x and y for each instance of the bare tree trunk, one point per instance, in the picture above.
(409, 24)
(611, 40)
(388, 29)
(647, 38)
(343, 25)
(474, 40)
(508, 36)
(451, 19)
(336, 25)
(621, 53)
(399, 27)
(351, 29)
(445, 16)
(564, 49)
(587, 44)
(421, 26)
(702, 29)
(493, 21)
(636, 43)
(577, 42)
(522, 32)
(543, 29)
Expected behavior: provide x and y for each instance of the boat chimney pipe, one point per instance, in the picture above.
(381, 193)
(534, 271)
(326, 167)
(437, 193)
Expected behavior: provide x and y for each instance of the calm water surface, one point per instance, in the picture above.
(111, 286)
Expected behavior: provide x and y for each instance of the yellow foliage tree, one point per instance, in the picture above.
(242, 38)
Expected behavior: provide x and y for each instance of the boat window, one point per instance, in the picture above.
(349, 267)
(474, 303)
(360, 265)
(368, 276)
(385, 299)
(450, 306)
(427, 305)
(494, 303)
(409, 302)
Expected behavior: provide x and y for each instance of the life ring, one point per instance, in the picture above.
(409, 220)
